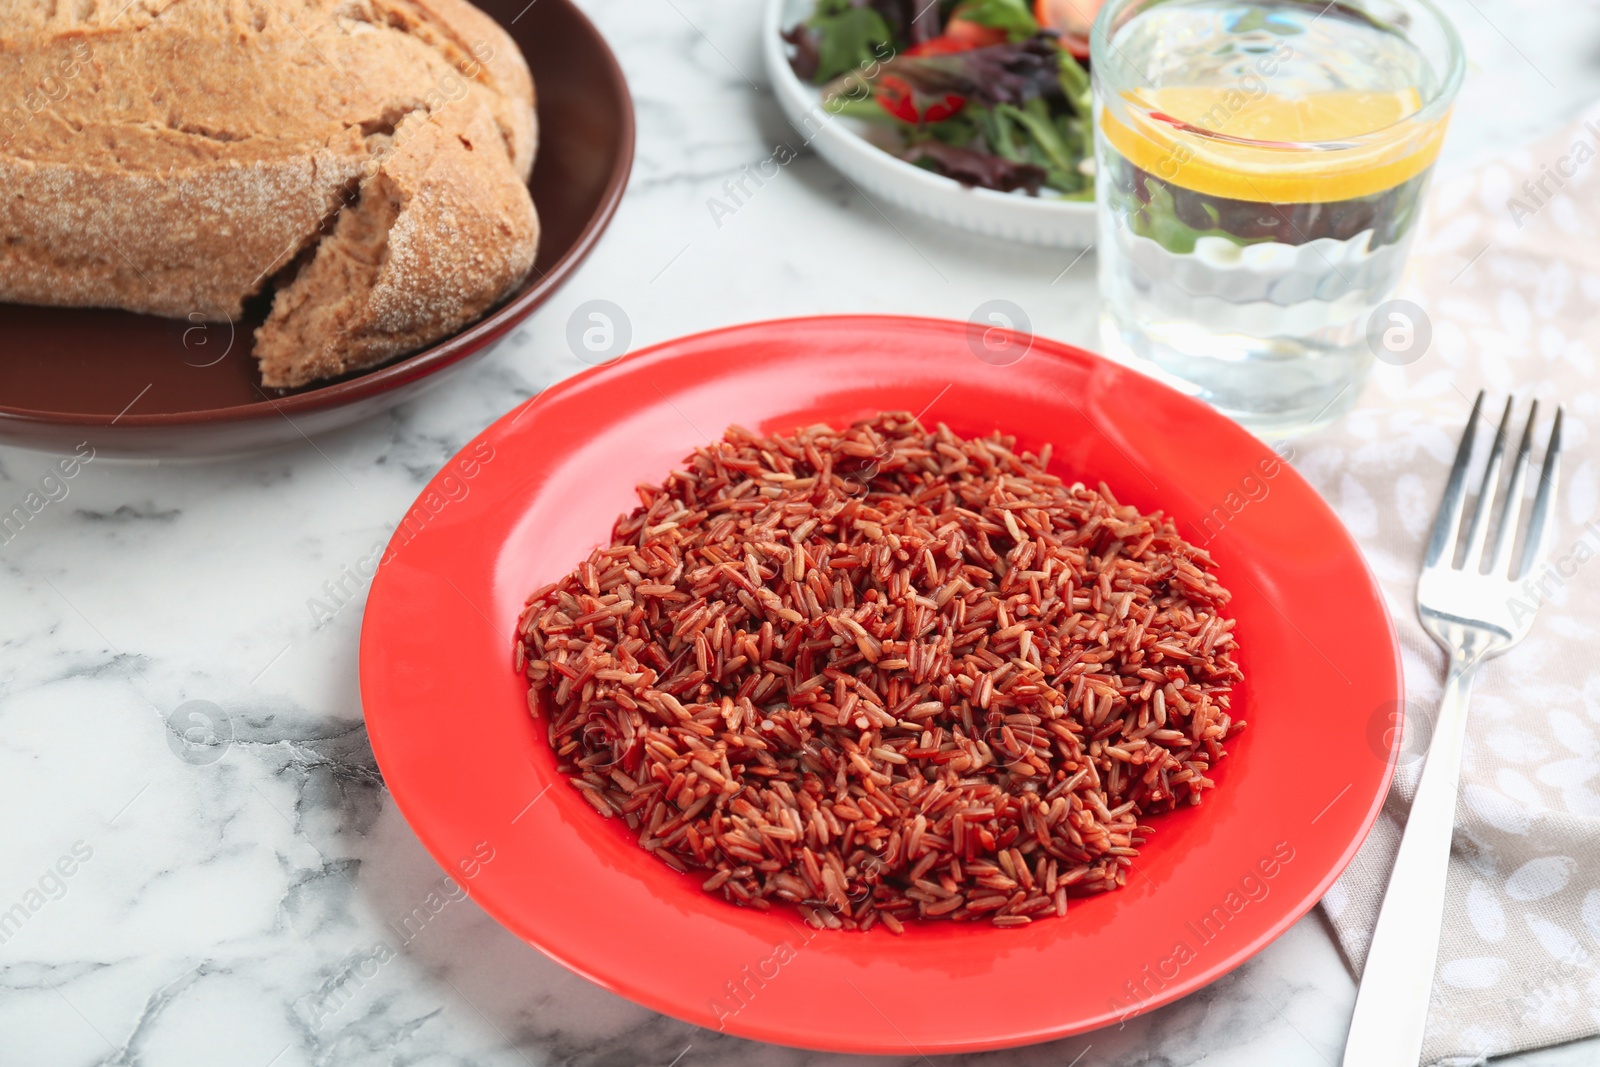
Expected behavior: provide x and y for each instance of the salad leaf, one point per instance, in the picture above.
(998, 131)
(909, 21)
(806, 58)
(1011, 73)
(971, 167)
(867, 110)
(1035, 118)
(1012, 16)
(924, 25)
(1009, 133)
(847, 38)
(1078, 131)
(1075, 84)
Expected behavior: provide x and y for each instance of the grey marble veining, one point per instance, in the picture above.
(254, 901)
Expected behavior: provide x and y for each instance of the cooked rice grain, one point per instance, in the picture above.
(885, 674)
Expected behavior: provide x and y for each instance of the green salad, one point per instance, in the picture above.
(981, 91)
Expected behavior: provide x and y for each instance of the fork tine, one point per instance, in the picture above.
(1533, 547)
(1478, 532)
(1442, 542)
(1511, 516)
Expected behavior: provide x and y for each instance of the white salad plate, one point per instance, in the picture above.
(884, 178)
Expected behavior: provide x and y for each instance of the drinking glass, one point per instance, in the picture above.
(1260, 166)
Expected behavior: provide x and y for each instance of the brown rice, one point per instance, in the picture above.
(885, 674)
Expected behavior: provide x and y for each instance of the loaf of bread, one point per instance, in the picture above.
(362, 164)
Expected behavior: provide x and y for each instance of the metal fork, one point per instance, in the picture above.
(1474, 612)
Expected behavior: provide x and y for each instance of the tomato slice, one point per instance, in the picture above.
(973, 34)
(960, 35)
(1072, 19)
(940, 110)
(937, 46)
(895, 95)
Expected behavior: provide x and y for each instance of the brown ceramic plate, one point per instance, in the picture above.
(137, 385)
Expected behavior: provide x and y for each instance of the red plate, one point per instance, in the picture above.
(532, 495)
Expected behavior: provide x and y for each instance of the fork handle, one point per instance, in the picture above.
(1392, 1004)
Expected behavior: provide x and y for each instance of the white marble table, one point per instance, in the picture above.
(213, 904)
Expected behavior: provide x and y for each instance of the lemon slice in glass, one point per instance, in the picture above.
(1316, 148)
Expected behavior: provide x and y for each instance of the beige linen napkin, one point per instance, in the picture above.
(1507, 271)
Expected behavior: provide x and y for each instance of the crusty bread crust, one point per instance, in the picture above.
(176, 156)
